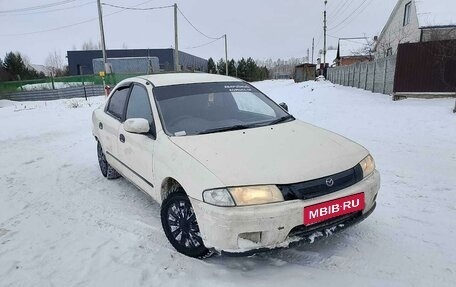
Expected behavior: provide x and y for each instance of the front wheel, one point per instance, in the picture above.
(180, 226)
(106, 169)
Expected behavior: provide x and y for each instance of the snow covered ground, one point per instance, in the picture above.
(63, 224)
(48, 86)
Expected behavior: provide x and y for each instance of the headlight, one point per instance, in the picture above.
(219, 197)
(368, 165)
(249, 195)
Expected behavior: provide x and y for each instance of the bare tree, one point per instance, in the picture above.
(89, 45)
(54, 63)
(393, 39)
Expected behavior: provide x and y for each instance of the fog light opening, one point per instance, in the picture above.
(251, 236)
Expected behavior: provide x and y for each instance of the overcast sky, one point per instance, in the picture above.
(257, 28)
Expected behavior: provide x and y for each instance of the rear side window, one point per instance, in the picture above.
(139, 105)
(117, 102)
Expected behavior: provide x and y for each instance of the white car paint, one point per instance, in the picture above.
(284, 153)
(280, 154)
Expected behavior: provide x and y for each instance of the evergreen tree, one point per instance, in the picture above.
(251, 69)
(242, 69)
(3, 74)
(211, 67)
(232, 68)
(15, 66)
(221, 67)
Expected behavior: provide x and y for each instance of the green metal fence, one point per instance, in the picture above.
(60, 82)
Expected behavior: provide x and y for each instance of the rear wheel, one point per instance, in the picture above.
(180, 226)
(106, 169)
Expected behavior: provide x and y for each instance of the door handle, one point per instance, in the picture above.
(100, 125)
(122, 138)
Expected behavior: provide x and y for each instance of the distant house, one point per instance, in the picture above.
(414, 21)
(331, 55)
(330, 61)
(83, 60)
(353, 50)
(304, 72)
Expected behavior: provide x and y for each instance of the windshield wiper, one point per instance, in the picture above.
(225, 129)
(281, 120)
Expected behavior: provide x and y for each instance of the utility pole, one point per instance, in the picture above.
(226, 56)
(313, 49)
(308, 55)
(176, 42)
(103, 42)
(324, 41)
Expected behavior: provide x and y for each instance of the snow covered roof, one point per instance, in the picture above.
(436, 12)
(353, 47)
(168, 79)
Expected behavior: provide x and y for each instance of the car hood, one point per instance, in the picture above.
(279, 154)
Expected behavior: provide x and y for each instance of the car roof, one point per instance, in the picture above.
(169, 79)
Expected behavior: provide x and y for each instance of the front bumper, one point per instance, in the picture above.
(225, 228)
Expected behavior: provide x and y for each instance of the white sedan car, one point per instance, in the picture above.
(234, 172)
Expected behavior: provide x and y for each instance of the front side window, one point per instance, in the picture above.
(117, 101)
(200, 108)
(407, 13)
(139, 105)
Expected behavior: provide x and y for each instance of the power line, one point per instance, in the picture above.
(137, 9)
(38, 7)
(70, 25)
(205, 44)
(48, 11)
(199, 31)
(360, 12)
(338, 8)
(344, 7)
(351, 14)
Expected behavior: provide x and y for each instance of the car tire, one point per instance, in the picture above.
(106, 169)
(180, 226)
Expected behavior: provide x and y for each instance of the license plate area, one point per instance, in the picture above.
(333, 208)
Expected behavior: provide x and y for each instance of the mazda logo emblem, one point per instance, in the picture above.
(329, 182)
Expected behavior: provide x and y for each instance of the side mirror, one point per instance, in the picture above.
(284, 106)
(137, 126)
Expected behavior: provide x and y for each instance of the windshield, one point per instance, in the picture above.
(214, 107)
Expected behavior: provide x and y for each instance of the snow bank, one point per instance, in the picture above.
(6, 103)
(63, 224)
(48, 86)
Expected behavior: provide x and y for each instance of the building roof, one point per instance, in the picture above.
(169, 79)
(305, 65)
(433, 13)
(349, 47)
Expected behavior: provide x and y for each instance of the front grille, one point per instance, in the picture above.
(318, 187)
(304, 230)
